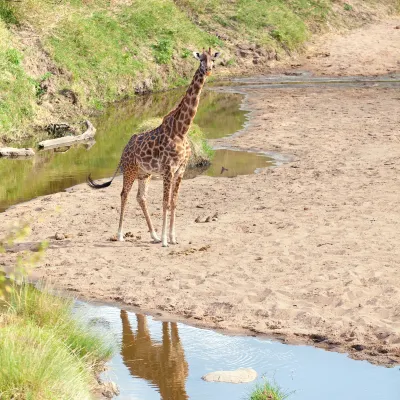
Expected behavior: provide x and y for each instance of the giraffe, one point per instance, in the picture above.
(164, 150)
(161, 363)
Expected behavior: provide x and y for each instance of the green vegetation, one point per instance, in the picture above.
(17, 91)
(263, 22)
(268, 391)
(104, 50)
(348, 7)
(45, 353)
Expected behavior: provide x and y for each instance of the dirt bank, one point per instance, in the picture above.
(370, 50)
(307, 252)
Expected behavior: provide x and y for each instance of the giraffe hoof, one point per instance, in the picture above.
(155, 237)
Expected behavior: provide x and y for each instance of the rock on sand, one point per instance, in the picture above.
(241, 375)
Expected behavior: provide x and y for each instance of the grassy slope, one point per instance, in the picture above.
(105, 50)
(17, 89)
(44, 352)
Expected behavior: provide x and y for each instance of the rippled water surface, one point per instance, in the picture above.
(164, 360)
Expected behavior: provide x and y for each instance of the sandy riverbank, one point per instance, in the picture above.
(305, 252)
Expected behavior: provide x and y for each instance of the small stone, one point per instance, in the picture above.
(197, 220)
(110, 389)
(59, 236)
(208, 219)
(241, 375)
(358, 347)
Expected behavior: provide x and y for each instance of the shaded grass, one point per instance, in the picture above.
(45, 353)
(268, 391)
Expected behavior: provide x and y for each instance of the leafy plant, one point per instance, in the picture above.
(268, 391)
(13, 56)
(186, 53)
(162, 51)
(348, 7)
(38, 84)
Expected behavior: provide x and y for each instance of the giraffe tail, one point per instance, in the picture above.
(95, 185)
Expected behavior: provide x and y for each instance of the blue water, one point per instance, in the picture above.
(171, 358)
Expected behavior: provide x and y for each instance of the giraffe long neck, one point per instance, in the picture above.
(187, 108)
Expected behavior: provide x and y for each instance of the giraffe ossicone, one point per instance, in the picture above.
(164, 150)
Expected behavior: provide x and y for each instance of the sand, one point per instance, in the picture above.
(370, 50)
(306, 252)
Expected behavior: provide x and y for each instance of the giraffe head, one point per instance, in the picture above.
(206, 60)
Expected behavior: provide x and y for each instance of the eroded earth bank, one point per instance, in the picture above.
(307, 251)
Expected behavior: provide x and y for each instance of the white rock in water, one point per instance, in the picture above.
(241, 375)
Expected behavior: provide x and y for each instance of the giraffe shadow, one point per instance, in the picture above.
(114, 244)
(36, 246)
(161, 364)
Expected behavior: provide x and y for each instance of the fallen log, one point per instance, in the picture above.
(69, 140)
(12, 152)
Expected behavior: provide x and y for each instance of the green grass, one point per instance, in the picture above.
(17, 91)
(46, 353)
(268, 391)
(202, 152)
(7, 13)
(263, 22)
(108, 52)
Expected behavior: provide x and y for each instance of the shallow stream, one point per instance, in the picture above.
(49, 172)
(166, 360)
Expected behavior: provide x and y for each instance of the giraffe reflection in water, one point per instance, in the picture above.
(162, 364)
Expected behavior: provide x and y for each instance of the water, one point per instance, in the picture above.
(164, 360)
(49, 172)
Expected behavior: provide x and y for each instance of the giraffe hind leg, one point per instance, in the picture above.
(167, 183)
(129, 178)
(141, 198)
(174, 200)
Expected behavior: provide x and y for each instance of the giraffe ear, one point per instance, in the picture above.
(196, 55)
(216, 55)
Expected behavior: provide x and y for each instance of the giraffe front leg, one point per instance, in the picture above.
(168, 177)
(129, 178)
(141, 198)
(174, 200)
